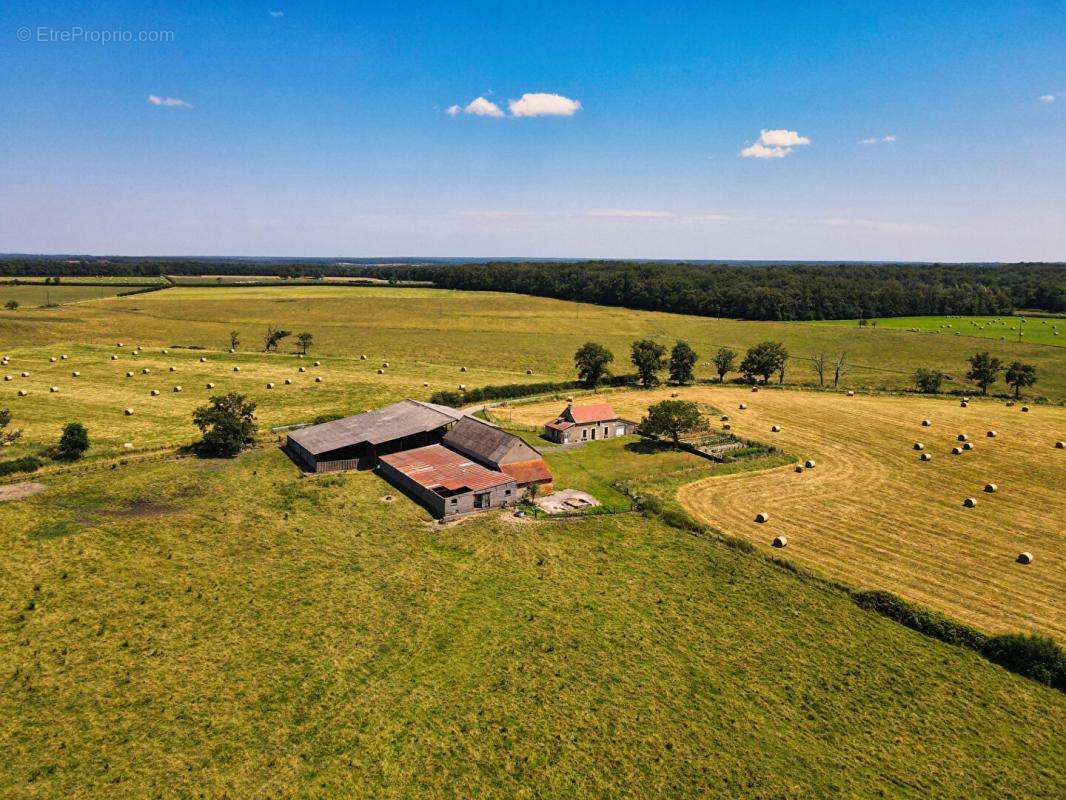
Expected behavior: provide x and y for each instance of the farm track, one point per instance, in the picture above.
(873, 516)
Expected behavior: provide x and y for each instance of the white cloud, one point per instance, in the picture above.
(1046, 99)
(453, 111)
(277, 13)
(628, 213)
(889, 138)
(869, 140)
(874, 140)
(759, 150)
(774, 144)
(481, 107)
(541, 104)
(156, 100)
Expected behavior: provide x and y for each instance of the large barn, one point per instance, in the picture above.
(358, 441)
(499, 450)
(446, 482)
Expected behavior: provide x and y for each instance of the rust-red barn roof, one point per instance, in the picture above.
(436, 467)
(599, 412)
(532, 471)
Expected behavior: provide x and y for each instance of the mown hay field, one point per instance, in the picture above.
(1037, 329)
(227, 628)
(36, 295)
(874, 516)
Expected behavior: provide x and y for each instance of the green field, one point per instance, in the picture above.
(121, 280)
(1040, 329)
(425, 335)
(230, 629)
(38, 295)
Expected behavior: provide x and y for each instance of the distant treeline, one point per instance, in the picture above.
(746, 291)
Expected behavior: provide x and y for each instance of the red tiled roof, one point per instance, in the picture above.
(601, 412)
(436, 467)
(559, 424)
(532, 471)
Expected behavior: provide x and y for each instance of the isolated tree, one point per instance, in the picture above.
(73, 442)
(532, 491)
(650, 359)
(6, 436)
(928, 380)
(984, 369)
(11, 305)
(227, 423)
(673, 418)
(1020, 376)
(234, 340)
(304, 340)
(839, 368)
(273, 337)
(591, 361)
(724, 361)
(819, 366)
(764, 359)
(682, 363)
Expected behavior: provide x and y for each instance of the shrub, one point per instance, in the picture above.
(24, 464)
(1036, 657)
(326, 418)
(920, 619)
(928, 381)
(73, 442)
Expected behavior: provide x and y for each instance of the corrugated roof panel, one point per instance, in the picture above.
(436, 466)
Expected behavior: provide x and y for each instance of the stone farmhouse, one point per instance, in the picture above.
(585, 423)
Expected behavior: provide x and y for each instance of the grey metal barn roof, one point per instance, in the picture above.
(401, 419)
(480, 438)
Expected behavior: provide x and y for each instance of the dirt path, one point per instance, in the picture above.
(19, 491)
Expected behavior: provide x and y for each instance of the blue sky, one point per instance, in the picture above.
(893, 130)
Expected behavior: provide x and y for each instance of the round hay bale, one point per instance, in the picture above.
(25, 374)
(177, 388)
(318, 363)
(851, 393)
(965, 404)
(462, 369)
(990, 488)
(967, 446)
(233, 350)
(991, 434)
(809, 463)
(210, 386)
(381, 372)
(956, 451)
(302, 369)
(128, 412)
(23, 393)
(385, 364)
(53, 389)
(1025, 409)
(743, 406)
(154, 393)
(362, 357)
(127, 446)
(799, 468)
(9, 377)
(288, 381)
(673, 394)
(203, 360)
(119, 344)
(762, 517)
(52, 359)
(780, 541)
(75, 374)
(136, 353)
(165, 351)
(965, 399)
(725, 426)
(962, 437)
(775, 428)
(173, 369)
(114, 357)
(462, 387)
(129, 374)
(919, 446)
(529, 372)
(1010, 404)
(145, 371)
(301, 355)
(318, 379)
(970, 502)
(926, 457)
(270, 385)
(236, 369)
(1025, 558)
(755, 388)
(64, 357)
(1060, 445)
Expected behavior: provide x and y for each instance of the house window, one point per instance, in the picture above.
(584, 433)
(507, 492)
(455, 501)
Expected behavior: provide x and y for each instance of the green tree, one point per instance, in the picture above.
(763, 360)
(273, 337)
(73, 442)
(11, 305)
(227, 423)
(682, 363)
(928, 380)
(984, 369)
(724, 362)
(591, 361)
(305, 340)
(673, 418)
(1020, 376)
(234, 340)
(650, 359)
(6, 436)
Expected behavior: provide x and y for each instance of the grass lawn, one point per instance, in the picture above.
(1033, 330)
(228, 628)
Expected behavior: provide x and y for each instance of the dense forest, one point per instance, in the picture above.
(798, 291)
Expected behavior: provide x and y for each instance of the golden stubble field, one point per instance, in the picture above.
(874, 516)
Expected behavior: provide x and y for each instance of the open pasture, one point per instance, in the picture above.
(1033, 329)
(37, 295)
(873, 515)
(501, 335)
(227, 628)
